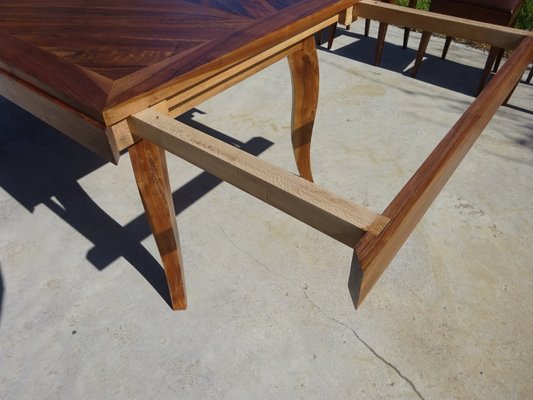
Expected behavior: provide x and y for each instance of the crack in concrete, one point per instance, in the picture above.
(255, 258)
(363, 342)
(370, 348)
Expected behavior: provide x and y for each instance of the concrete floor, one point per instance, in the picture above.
(84, 313)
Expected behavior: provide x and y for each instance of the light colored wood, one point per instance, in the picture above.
(151, 174)
(121, 111)
(346, 17)
(72, 123)
(339, 218)
(374, 253)
(120, 136)
(305, 81)
(494, 35)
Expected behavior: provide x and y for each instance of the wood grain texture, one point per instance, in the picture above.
(346, 17)
(374, 252)
(184, 100)
(339, 218)
(97, 55)
(214, 76)
(305, 82)
(151, 174)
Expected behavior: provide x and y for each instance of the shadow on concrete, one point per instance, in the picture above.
(521, 109)
(39, 166)
(447, 74)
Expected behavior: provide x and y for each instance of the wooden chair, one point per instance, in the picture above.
(499, 12)
(382, 32)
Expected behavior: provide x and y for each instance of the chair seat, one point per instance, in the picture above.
(499, 12)
(507, 6)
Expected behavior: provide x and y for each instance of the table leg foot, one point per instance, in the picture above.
(354, 281)
(304, 74)
(150, 169)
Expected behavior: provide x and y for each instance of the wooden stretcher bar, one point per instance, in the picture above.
(373, 253)
(338, 218)
(375, 238)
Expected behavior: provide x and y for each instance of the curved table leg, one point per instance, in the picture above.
(304, 75)
(150, 169)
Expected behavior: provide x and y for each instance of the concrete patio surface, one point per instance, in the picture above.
(84, 311)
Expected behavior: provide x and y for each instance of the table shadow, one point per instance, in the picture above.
(40, 166)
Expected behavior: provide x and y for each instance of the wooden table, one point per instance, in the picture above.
(111, 74)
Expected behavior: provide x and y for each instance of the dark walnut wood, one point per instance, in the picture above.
(98, 54)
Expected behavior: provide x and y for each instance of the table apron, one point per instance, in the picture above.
(72, 123)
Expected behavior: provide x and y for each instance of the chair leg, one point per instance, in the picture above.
(493, 53)
(510, 94)
(446, 47)
(318, 37)
(367, 27)
(424, 41)
(332, 30)
(528, 79)
(382, 32)
(498, 60)
(406, 32)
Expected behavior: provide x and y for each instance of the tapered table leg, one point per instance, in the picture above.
(150, 169)
(304, 74)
